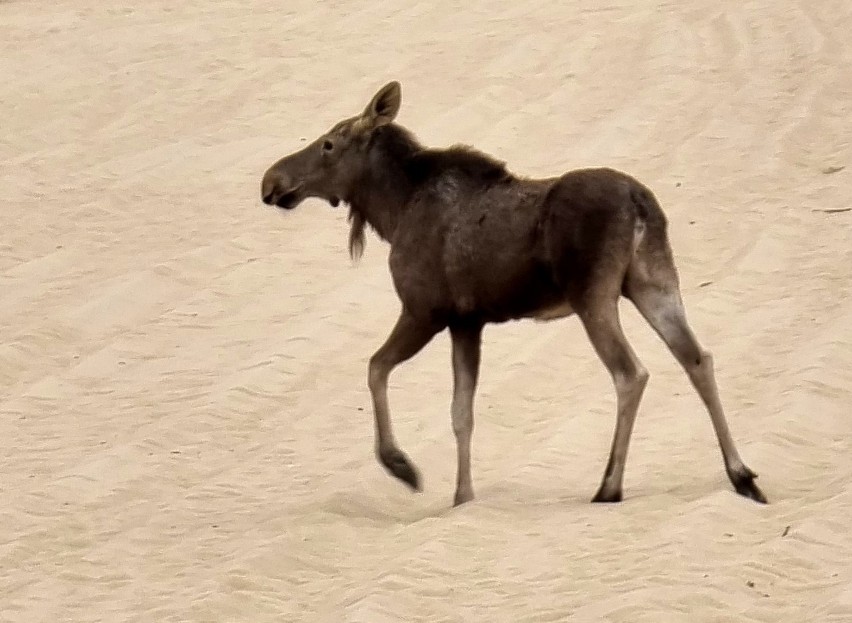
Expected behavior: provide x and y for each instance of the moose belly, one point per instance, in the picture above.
(502, 291)
(553, 312)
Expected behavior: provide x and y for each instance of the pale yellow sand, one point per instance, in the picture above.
(185, 431)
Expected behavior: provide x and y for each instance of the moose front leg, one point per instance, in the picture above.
(408, 337)
(466, 349)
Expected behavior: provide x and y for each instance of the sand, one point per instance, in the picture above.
(186, 430)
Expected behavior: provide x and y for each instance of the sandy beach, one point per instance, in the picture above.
(185, 428)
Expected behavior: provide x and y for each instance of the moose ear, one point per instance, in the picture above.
(384, 106)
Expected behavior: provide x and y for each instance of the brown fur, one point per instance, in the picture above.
(471, 243)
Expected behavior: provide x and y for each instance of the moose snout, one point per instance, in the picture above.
(269, 188)
(280, 190)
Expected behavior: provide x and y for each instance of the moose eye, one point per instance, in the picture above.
(327, 145)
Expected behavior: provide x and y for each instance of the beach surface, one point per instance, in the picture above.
(185, 428)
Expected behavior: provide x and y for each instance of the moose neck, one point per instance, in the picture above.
(383, 190)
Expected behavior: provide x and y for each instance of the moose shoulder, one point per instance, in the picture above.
(471, 244)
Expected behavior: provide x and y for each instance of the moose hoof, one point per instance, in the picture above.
(606, 497)
(462, 498)
(398, 464)
(744, 484)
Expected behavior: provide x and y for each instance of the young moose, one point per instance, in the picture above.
(471, 243)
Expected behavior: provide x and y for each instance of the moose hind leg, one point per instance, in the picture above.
(662, 307)
(629, 377)
(407, 338)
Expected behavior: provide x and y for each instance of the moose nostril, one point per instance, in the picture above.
(267, 198)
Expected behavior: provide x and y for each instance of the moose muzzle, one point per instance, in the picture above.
(278, 189)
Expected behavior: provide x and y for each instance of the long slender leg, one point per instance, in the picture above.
(629, 377)
(407, 338)
(662, 307)
(466, 350)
